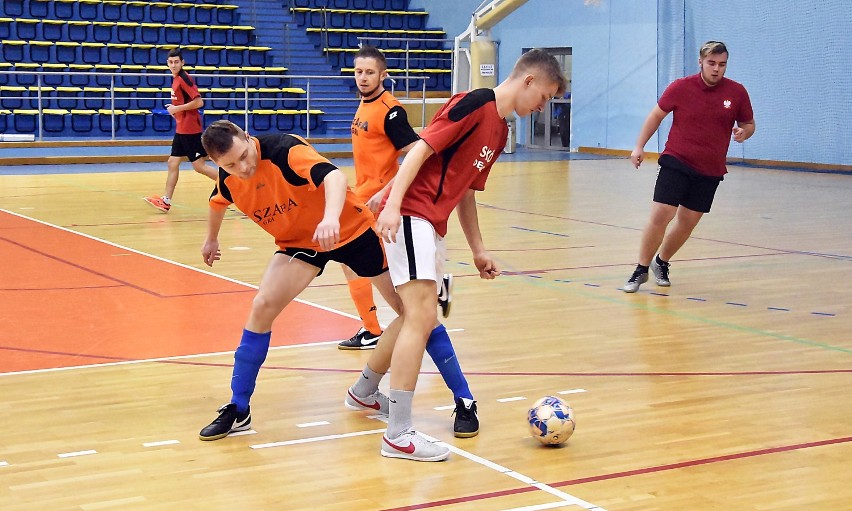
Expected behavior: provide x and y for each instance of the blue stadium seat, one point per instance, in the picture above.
(135, 11)
(54, 120)
(226, 16)
(39, 8)
(103, 32)
(25, 121)
(90, 11)
(4, 120)
(7, 28)
(262, 120)
(136, 121)
(13, 8)
(79, 31)
(151, 33)
(40, 51)
(161, 121)
(64, 9)
(113, 11)
(158, 12)
(12, 97)
(142, 54)
(197, 34)
(66, 52)
(78, 75)
(82, 121)
(53, 30)
(203, 14)
(127, 32)
(173, 33)
(26, 29)
(117, 53)
(55, 75)
(108, 120)
(179, 13)
(96, 98)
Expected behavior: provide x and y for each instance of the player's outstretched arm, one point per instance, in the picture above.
(210, 250)
(389, 220)
(469, 220)
(649, 127)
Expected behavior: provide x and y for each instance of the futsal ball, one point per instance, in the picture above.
(551, 420)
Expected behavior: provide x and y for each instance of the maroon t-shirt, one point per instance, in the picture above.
(467, 135)
(184, 91)
(703, 119)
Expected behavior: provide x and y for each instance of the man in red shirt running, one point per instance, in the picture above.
(706, 106)
(443, 170)
(184, 106)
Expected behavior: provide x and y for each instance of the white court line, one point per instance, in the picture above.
(443, 408)
(510, 399)
(158, 444)
(4, 464)
(77, 453)
(317, 439)
(538, 507)
(312, 424)
(572, 391)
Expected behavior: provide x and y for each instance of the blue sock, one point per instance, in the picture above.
(441, 350)
(247, 361)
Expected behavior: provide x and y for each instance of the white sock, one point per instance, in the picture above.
(166, 200)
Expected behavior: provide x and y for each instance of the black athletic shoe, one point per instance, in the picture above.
(466, 424)
(228, 421)
(362, 340)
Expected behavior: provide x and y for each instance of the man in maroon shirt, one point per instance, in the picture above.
(443, 170)
(706, 106)
(184, 106)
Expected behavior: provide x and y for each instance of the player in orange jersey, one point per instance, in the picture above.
(302, 200)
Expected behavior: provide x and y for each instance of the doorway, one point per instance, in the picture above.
(551, 129)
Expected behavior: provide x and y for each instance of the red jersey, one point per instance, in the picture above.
(703, 119)
(286, 195)
(184, 91)
(467, 135)
(380, 130)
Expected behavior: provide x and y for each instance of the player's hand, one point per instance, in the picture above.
(388, 224)
(210, 252)
(375, 202)
(327, 234)
(486, 266)
(738, 134)
(637, 157)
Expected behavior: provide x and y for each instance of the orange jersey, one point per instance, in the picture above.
(286, 195)
(379, 131)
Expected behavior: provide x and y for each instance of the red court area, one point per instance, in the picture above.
(69, 300)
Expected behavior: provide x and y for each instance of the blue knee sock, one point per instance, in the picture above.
(441, 350)
(247, 361)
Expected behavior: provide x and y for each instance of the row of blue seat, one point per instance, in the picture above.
(27, 29)
(124, 53)
(153, 12)
(417, 59)
(393, 39)
(144, 123)
(360, 19)
(376, 5)
(93, 98)
(130, 76)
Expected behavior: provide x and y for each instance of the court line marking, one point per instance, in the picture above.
(76, 453)
(4, 463)
(313, 424)
(315, 439)
(572, 391)
(510, 399)
(162, 442)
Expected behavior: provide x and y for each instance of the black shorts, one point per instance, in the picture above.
(365, 255)
(680, 185)
(189, 146)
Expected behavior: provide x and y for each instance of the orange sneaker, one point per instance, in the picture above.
(158, 203)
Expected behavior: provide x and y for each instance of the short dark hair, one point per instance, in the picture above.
(218, 138)
(543, 62)
(175, 52)
(371, 52)
(712, 47)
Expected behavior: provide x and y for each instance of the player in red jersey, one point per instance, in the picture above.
(706, 107)
(442, 171)
(184, 107)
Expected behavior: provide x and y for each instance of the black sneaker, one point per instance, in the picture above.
(445, 297)
(363, 340)
(466, 424)
(229, 421)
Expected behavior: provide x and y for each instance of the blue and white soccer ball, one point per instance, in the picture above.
(551, 420)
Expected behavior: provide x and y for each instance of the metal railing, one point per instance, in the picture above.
(250, 89)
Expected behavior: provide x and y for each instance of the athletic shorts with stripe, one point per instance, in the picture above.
(417, 254)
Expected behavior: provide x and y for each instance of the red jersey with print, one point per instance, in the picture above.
(380, 130)
(467, 134)
(286, 195)
(703, 119)
(184, 91)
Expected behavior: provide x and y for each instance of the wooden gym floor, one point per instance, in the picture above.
(729, 390)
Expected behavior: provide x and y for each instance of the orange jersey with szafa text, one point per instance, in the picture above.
(380, 130)
(286, 196)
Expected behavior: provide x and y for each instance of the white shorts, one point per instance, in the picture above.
(418, 253)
